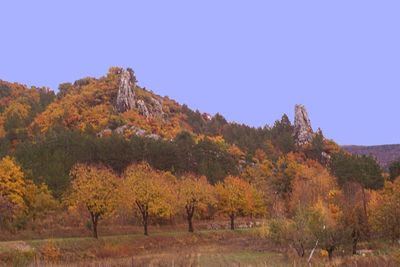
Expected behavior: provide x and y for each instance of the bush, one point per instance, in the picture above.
(50, 252)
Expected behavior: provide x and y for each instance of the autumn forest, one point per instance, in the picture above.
(105, 170)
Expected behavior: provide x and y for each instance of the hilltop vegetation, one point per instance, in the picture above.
(92, 155)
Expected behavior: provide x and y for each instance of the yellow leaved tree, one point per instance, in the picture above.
(38, 200)
(95, 187)
(12, 182)
(384, 211)
(237, 197)
(194, 194)
(149, 192)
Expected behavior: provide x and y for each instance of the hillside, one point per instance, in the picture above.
(114, 121)
(107, 152)
(385, 154)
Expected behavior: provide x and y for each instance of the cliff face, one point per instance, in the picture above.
(303, 131)
(126, 91)
(127, 99)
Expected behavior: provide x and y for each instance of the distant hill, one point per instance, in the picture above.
(385, 154)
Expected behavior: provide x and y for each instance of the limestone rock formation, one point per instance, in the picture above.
(149, 107)
(303, 132)
(143, 110)
(156, 107)
(126, 91)
(128, 131)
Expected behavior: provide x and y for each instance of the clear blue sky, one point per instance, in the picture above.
(252, 61)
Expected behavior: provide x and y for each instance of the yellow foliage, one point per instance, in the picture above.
(312, 183)
(38, 199)
(50, 252)
(237, 197)
(384, 209)
(235, 151)
(20, 110)
(195, 192)
(149, 191)
(94, 187)
(12, 182)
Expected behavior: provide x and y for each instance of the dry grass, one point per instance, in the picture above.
(205, 248)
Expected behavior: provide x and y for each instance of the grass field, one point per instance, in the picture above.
(204, 248)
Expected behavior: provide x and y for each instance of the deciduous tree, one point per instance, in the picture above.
(12, 182)
(385, 211)
(148, 191)
(194, 194)
(237, 197)
(93, 186)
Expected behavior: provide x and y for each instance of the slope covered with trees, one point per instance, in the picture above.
(75, 155)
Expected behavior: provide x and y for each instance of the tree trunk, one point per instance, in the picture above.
(355, 235)
(330, 252)
(365, 213)
(190, 212)
(145, 223)
(299, 249)
(95, 219)
(144, 210)
(232, 217)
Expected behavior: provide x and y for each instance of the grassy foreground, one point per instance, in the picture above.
(204, 248)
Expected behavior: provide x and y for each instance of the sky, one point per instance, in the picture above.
(251, 61)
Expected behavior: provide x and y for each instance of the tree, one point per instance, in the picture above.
(325, 224)
(12, 182)
(294, 232)
(148, 191)
(354, 168)
(38, 200)
(353, 213)
(282, 135)
(385, 211)
(316, 148)
(7, 210)
(260, 176)
(213, 161)
(194, 194)
(394, 170)
(93, 186)
(360, 169)
(311, 183)
(236, 197)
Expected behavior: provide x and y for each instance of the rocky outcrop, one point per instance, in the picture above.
(152, 109)
(156, 107)
(143, 110)
(128, 131)
(149, 107)
(126, 91)
(303, 132)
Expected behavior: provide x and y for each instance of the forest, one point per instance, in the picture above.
(74, 165)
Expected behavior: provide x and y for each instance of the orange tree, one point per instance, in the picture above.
(194, 194)
(93, 186)
(237, 197)
(149, 192)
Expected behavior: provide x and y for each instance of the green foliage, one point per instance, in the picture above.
(282, 135)
(316, 148)
(63, 148)
(245, 137)
(353, 168)
(394, 170)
